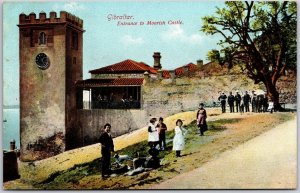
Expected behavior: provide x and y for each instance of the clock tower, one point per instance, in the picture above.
(50, 51)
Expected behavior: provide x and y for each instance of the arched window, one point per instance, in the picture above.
(42, 38)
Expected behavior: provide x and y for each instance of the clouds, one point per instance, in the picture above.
(176, 33)
(70, 7)
(130, 40)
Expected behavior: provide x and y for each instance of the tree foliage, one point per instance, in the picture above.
(259, 35)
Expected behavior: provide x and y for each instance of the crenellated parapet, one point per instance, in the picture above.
(64, 17)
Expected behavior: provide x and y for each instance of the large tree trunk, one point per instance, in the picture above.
(273, 94)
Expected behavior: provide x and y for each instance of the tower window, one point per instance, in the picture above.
(74, 40)
(74, 60)
(42, 38)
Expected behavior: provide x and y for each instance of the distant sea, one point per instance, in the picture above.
(11, 127)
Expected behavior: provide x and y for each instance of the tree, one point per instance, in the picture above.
(259, 36)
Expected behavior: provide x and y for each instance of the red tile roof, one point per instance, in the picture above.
(125, 66)
(147, 67)
(166, 74)
(191, 67)
(110, 82)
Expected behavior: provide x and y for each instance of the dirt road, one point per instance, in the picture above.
(267, 161)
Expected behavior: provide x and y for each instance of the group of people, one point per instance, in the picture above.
(115, 101)
(157, 133)
(259, 102)
(156, 137)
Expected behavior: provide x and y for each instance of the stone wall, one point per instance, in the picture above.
(165, 97)
(287, 88)
(91, 122)
(168, 96)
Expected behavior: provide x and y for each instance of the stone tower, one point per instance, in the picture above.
(50, 51)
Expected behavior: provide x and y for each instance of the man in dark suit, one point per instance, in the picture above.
(223, 98)
(247, 101)
(237, 99)
(230, 101)
(107, 146)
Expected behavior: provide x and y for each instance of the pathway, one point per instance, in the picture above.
(267, 161)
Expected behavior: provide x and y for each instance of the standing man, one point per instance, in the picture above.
(237, 99)
(230, 101)
(254, 102)
(223, 98)
(161, 133)
(247, 100)
(107, 146)
(265, 103)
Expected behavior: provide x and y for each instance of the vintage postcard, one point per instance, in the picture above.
(149, 95)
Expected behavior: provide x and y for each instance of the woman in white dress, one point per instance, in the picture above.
(178, 141)
(153, 137)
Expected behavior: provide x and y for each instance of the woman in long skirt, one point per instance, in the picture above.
(201, 119)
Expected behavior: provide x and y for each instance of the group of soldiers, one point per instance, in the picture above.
(259, 102)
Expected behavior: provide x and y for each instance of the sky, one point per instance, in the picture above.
(106, 43)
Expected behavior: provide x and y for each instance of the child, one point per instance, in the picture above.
(178, 141)
(161, 127)
(153, 137)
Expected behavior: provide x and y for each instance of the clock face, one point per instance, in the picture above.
(42, 61)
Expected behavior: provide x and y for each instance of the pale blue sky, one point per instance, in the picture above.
(106, 43)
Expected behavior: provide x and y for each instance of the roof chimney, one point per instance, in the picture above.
(199, 63)
(157, 57)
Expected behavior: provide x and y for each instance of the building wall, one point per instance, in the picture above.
(91, 122)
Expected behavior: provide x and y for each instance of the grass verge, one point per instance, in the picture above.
(222, 135)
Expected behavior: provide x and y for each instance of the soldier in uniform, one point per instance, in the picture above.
(107, 146)
(237, 99)
(247, 100)
(230, 101)
(259, 103)
(254, 102)
(223, 98)
(265, 103)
